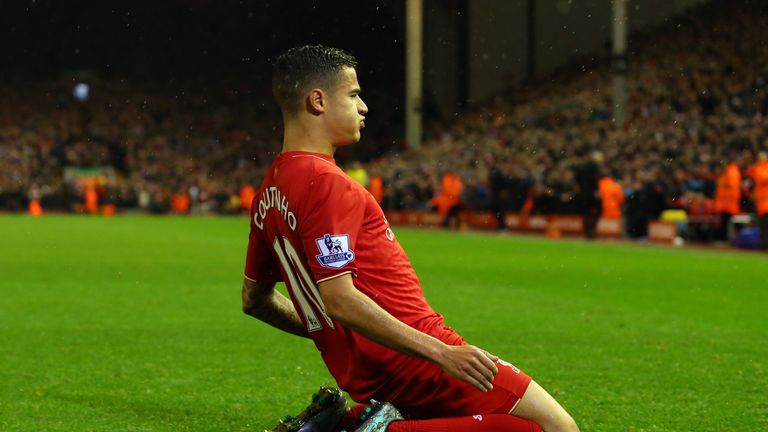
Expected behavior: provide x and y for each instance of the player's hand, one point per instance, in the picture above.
(471, 364)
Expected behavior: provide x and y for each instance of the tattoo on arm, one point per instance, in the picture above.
(266, 304)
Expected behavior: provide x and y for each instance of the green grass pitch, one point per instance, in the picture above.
(134, 324)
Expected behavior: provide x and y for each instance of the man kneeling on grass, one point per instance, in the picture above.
(353, 290)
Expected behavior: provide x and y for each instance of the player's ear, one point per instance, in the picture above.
(316, 100)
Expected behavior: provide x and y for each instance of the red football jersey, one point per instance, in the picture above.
(313, 223)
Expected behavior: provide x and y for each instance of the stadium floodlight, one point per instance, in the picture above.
(81, 91)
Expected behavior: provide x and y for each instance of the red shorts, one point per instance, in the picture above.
(432, 393)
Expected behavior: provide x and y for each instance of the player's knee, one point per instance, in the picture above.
(558, 423)
(570, 425)
(564, 423)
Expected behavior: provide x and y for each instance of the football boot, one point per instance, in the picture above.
(377, 417)
(322, 415)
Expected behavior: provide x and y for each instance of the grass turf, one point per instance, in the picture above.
(134, 324)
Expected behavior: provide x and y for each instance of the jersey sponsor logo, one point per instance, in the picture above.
(478, 417)
(334, 251)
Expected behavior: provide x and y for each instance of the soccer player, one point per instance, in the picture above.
(352, 288)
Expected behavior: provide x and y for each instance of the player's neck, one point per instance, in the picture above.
(297, 137)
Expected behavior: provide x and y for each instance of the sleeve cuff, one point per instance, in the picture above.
(319, 281)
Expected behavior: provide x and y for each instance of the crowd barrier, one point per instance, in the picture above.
(551, 225)
(662, 232)
(568, 225)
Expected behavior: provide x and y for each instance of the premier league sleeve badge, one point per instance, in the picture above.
(334, 251)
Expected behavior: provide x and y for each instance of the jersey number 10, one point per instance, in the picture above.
(302, 287)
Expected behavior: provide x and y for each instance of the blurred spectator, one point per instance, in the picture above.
(448, 200)
(727, 197)
(358, 173)
(759, 173)
(588, 175)
(611, 197)
(376, 188)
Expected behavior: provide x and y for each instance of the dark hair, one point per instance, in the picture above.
(299, 68)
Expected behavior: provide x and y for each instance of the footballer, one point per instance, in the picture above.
(352, 288)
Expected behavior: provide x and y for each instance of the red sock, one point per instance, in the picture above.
(351, 419)
(484, 423)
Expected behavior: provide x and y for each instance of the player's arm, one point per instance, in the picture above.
(344, 303)
(262, 301)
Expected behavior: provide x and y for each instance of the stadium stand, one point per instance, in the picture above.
(141, 147)
(697, 103)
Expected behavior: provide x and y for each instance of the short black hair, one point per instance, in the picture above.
(299, 68)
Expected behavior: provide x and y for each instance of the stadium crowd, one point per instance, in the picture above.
(698, 102)
(159, 144)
